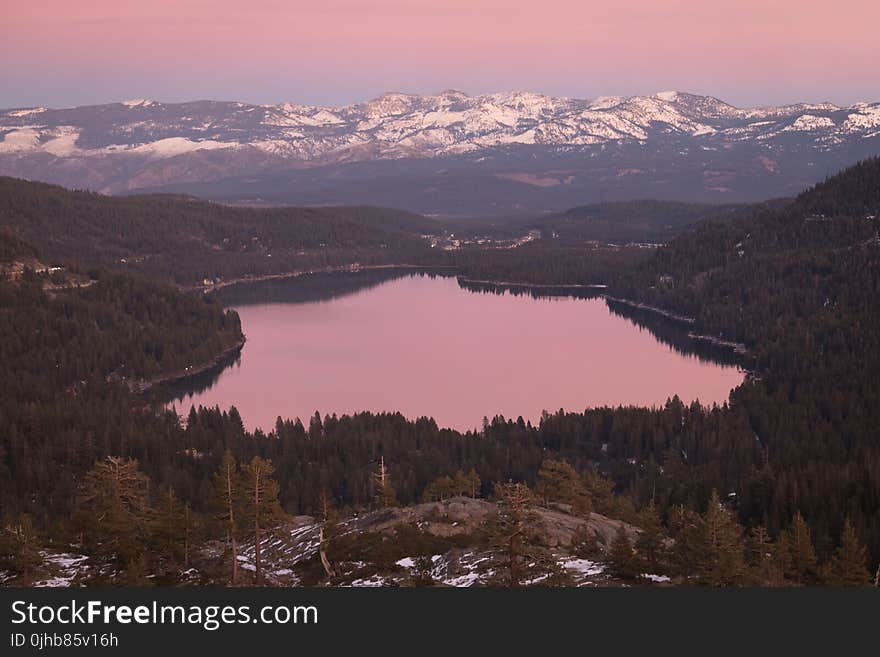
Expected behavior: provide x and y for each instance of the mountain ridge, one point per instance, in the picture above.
(561, 151)
(399, 123)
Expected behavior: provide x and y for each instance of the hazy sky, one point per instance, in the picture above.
(73, 52)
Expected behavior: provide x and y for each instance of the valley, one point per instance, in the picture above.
(426, 345)
(792, 450)
(573, 305)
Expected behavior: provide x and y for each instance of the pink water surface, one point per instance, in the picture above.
(426, 347)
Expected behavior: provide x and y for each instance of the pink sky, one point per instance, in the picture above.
(64, 52)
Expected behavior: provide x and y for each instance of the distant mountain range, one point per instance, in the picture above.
(448, 154)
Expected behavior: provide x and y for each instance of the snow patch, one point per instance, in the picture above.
(371, 582)
(668, 96)
(867, 118)
(65, 567)
(25, 138)
(703, 130)
(63, 142)
(401, 125)
(138, 102)
(172, 146)
(808, 122)
(583, 567)
(26, 112)
(606, 102)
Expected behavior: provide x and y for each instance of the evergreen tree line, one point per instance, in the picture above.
(632, 221)
(798, 284)
(185, 240)
(118, 326)
(706, 549)
(137, 535)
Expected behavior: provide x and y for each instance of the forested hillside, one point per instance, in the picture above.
(185, 240)
(116, 326)
(800, 286)
(793, 459)
(625, 221)
(548, 262)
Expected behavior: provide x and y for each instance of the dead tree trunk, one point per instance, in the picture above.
(258, 571)
(229, 499)
(324, 560)
(186, 522)
(322, 543)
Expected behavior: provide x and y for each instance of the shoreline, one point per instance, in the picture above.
(654, 309)
(737, 347)
(538, 286)
(340, 269)
(142, 386)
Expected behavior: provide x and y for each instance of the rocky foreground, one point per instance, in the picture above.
(437, 543)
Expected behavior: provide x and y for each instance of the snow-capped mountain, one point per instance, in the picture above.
(532, 139)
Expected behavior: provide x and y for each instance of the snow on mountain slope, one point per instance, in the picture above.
(670, 144)
(404, 125)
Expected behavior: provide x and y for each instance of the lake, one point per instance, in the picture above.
(427, 346)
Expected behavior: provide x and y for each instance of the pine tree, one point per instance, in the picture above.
(621, 558)
(763, 558)
(651, 541)
(443, 488)
(557, 482)
(473, 483)
(725, 562)
(691, 545)
(516, 535)
(262, 510)
(20, 549)
(600, 492)
(191, 526)
(169, 528)
(316, 426)
(512, 528)
(800, 557)
(460, 483)
(847, 567)
(112, 509)
(227, 502)
(385, 494)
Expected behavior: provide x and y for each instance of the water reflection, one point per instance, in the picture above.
(667, 330)
(426, 344)
(316, 287)
(671, 333)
